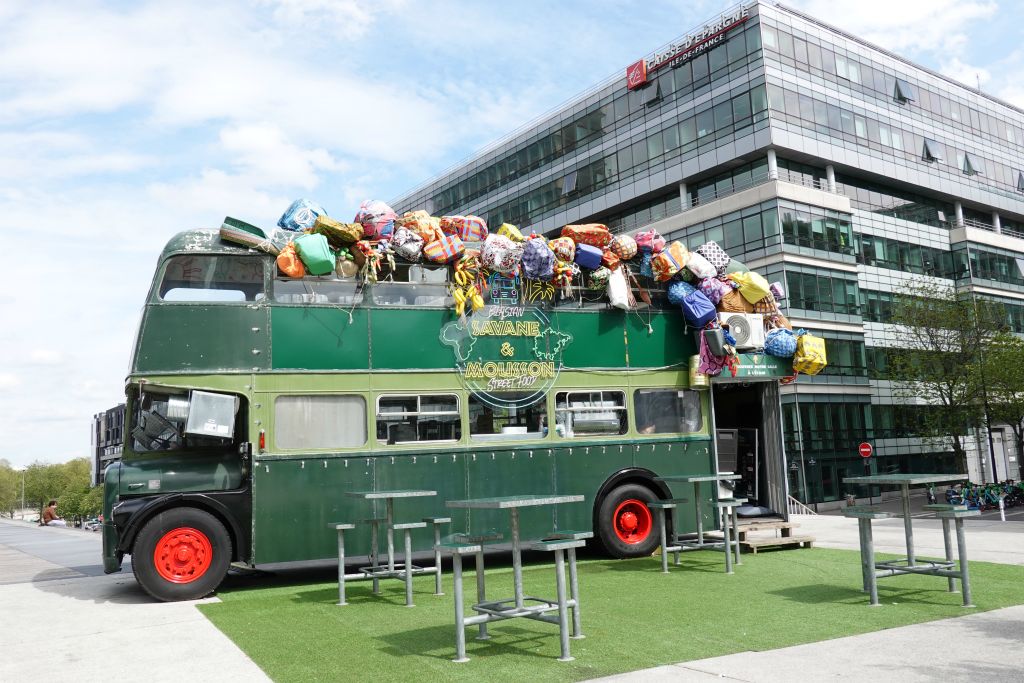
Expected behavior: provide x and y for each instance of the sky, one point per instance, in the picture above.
(122, 123)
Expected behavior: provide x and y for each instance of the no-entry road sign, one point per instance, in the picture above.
(865, 450)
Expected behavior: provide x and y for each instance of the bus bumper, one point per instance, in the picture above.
(111, 555)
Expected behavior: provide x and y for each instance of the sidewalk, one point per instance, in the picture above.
(64, 620)
(967, 648)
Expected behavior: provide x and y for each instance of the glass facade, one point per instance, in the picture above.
(886, 173)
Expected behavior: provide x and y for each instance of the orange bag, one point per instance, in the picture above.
(594, 234)
(610, 259)
(290, 263)
(423, 224)
(733, 302)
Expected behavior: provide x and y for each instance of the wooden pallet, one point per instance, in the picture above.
(785, 528)
(752, 544)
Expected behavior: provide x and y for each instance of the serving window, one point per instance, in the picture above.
(590, 413)
(667, 411)
(527, 420)
(418, 418)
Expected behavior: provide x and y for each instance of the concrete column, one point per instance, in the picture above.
(830, 178)
(773, 165)
(684, 198)
(997, 224)
(959, 209)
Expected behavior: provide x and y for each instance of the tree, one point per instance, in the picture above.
(1004, 373)
(10, 488)
(942, 337)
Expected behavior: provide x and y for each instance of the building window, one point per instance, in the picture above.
(590, 413)
(972, 165)
(652, 93)
(569, 183)
(318, 421)
(904, 92)
(667, 411)
(1020, 181)
(932, 150)
(411, 419)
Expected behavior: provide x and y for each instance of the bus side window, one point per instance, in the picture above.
(590, 413)
(319, 421)
(418, 418)
(520, 415)
(667, 411)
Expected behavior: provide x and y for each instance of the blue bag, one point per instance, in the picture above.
(780, 343)
(538, 260)
(588, 257)
(645, 264)
(301, 215)
(698, 309)
(679, 290)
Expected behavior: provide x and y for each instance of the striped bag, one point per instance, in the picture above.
(443, 250)
(468, 228)
(669, 261)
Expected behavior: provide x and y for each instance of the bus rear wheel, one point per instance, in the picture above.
(625, 525)
(181, 554)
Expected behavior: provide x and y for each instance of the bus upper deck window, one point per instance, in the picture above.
(212, 278)
(590, 413)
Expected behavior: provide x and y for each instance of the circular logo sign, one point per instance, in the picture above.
(508, 356)
(865, 450)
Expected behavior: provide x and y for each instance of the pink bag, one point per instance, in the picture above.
(377, 218)
(650, 240)
(714, 289)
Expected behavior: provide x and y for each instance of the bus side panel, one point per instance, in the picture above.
(295, 500)
(686, 458)
(665, 343)
(512, 472)
(178, 337)
(320, 338)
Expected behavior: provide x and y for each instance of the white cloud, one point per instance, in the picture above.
(904, 27)
(346, 18)
(45, 357)
(9, 380)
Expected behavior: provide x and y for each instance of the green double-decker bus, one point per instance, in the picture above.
(255, 402)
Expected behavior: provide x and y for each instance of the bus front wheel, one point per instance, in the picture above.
(625, 525)
(181, 554)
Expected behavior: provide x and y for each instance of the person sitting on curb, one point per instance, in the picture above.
(50, 517)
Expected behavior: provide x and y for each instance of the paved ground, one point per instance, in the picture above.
(64, 620)
(917, 500)
(985, 646)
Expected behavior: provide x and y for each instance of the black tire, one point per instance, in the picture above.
(195, 554)
(620, 535)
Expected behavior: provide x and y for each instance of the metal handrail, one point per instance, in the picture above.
(795, 507)
(981, 225)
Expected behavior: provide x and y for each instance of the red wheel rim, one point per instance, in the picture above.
(183, 555)
(632, 521)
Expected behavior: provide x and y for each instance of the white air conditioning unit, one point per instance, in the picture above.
(747, 328)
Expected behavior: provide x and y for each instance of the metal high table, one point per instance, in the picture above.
(905, 481)
(911, 565)
(728, 506)
(392, 570)
(496, 610)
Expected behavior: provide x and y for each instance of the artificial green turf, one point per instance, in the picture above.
(633, 617)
